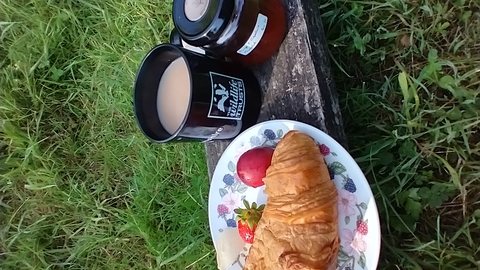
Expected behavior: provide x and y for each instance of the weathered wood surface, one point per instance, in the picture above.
(297, 82)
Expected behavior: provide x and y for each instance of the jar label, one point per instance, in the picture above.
(256, 35)
(228, 97)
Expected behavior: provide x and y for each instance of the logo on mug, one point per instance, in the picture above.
(228, 97)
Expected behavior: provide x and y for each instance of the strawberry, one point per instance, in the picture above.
(245, 232)
(247, 220)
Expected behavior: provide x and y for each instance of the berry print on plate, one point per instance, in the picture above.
(359, 227)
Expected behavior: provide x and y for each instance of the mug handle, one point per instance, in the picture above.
(177, 40)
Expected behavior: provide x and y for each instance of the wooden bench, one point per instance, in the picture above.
(297, 82)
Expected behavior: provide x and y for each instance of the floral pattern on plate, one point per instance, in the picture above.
(232, 197)
(353, 245)
(353, 204)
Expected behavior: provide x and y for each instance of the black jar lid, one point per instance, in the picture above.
(201, 22)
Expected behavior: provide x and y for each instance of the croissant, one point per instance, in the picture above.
(299, 226)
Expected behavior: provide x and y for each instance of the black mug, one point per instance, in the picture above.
(224, 97)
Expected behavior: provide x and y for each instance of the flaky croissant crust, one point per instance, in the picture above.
(299, 227)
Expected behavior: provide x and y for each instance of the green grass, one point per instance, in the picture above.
(410, 69)
(81, 188)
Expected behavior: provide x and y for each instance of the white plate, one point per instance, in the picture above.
(360, 247)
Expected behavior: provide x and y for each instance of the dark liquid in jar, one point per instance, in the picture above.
(243, 24)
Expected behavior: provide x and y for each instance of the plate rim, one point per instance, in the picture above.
(294, 122)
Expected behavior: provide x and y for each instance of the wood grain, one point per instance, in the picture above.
(297, 81)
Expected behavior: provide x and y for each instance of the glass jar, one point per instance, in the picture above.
(247, 31)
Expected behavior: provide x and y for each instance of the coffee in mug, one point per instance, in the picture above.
(173, 95)
(181, 95)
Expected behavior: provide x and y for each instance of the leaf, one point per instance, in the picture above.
(255, 141)
(363, 205)
(385, 158)
(254, 205)
(466, 16)
(223, 192)
(458, 128)
(347, 220)
(409, 193)
(408, 149)
(247, 205)
(402, 80)
(435, 201)
(343, 255)
(446, 82)
(279, 133)
(453, 173)
(427, 10)
(402, 196)
(357, 9)
(250, 223)
(231, 166)
(425, 193)
(237, 211)
(454, 114)
(362, 260)
(338, 167)
(432, 56)
(359, 44)
(399, 223)
(444, 26)
(56, 74)
(44, 63)
(413, 193)
(425, 177)
(439, 113)
(367, 38)
(413, 208)
(436, 188)
(430, 71)
(241, 188)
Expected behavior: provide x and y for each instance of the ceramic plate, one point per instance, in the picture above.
(359, 226)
